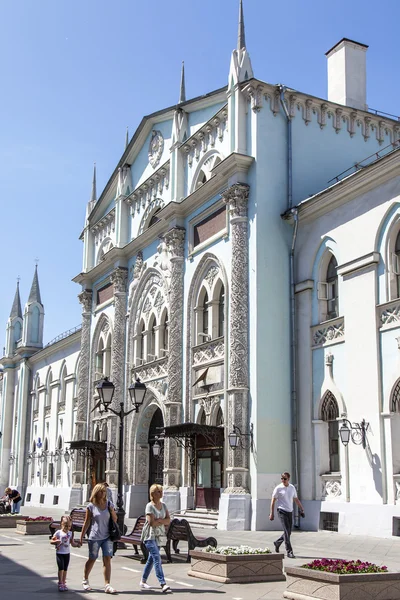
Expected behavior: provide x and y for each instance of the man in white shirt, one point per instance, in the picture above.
(283, 495)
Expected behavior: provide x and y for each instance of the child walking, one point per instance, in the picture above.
(62, 540)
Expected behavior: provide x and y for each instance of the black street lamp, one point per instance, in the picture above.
(237, 438)
(357, 432)
(137, 392)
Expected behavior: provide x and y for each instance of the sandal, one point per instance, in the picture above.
(109, 589)
(86, 585)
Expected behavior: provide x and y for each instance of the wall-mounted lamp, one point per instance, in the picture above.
(156, 447)
(237, 438)
(68, 455)
(110, 452)
(12, 459)
(31, 456)
(357, 432)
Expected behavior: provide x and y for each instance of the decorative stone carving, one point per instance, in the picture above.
(208, 352)
(85, 298)
(236, 199)
(331, 486)
(153, 370)
(391, 314)
(104, 228)
(119, 278)
(204, 139)
(211, 275)
(156, 147)
(328, 334)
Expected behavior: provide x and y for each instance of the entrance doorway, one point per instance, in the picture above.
(209, 469)
(156, 463)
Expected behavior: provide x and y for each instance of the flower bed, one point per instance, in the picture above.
(9, 520)
(236, 564)
(34, 525)
(337, 579)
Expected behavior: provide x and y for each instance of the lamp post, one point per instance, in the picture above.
(137, 392)
(237, 438)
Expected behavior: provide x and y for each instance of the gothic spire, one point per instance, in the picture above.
(182, 96)
(241, 44)
(34, 294)
(93, 197)
(16, 310)
(127, 138)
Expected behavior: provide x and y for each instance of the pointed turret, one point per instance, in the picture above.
(182, 95)
(34, 294)
(16, 310)
(32, 333)
(93, 197)
(241, 68)
(127, 138)
(241, 45)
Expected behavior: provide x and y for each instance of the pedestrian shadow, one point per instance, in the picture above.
(174, 590)
(20, 581)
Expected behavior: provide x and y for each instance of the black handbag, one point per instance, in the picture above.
(113, 529)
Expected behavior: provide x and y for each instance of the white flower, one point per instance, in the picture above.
(236, 550)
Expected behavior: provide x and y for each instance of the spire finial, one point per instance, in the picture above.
(241, 34)
(127, 138)
(34, 294)
(93, 197)
(182, 96)
(16, 310)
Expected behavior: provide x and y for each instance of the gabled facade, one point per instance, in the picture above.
(188, 282)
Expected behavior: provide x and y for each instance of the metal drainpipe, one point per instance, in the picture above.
(293, 338)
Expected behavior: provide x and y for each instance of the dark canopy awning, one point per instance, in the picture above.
(186, 432)
(96, 448)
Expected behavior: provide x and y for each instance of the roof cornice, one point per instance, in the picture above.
(349, 188)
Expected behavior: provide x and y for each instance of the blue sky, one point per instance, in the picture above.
(76, 73)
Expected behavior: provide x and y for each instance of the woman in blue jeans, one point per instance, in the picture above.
(153, 536)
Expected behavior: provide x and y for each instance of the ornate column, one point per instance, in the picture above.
(174, 239)
(119, 279)
(237, 471)
(85, 298)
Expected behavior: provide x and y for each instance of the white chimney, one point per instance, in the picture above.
(347, 74)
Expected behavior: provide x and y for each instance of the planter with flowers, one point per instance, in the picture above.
(9, 520)
(34, 525)
(236, 564)
(337, 579)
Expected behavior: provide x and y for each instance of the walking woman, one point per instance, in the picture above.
(153, 536)
(98, 514)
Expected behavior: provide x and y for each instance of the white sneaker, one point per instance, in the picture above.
(144, 586)
(165, 588)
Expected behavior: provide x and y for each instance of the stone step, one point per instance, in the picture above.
(201, 519)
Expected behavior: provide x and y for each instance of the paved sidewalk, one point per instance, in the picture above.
(28, 567)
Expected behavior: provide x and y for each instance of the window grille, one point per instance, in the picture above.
(330, 409)
(395, 401)
(329, 521)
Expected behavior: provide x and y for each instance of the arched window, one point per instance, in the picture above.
(17, 332)
(100, 360)
(35, 325)
(140, 341)
(395, 400)
(328, 295)
(221, 312)
(47, 400)
(107, 358)
(330, 414)
(203, 417)
(205, 314)
(63, 384)
(202, 178)
(396, 264)
(59, 459)
(151, 350)
(332, 282)
(165, 331)
(220, 418)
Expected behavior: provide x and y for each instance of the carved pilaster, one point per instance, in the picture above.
(119, 278)
(236, 199)
(85, 298)
(174, 239)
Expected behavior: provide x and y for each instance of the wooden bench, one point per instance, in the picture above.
(180, 530)
(134, 538)
(78, 518)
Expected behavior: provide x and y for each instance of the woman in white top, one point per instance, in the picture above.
(154, 536)
(98, 514)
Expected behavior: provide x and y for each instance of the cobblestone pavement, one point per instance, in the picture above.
(28, 566)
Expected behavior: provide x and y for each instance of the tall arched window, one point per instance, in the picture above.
(396, 264)
(151, 349)
(395, 400)
(332, 281)
(47, 400)
(205, 314)
(165, 330)
(100, 360)
(221, 312)
(330, 414)
(107, 358)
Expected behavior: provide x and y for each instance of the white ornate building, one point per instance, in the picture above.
(223, 268)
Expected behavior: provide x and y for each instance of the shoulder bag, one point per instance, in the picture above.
(113, 528)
